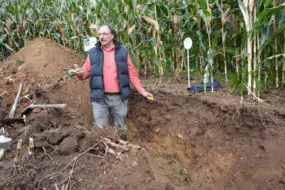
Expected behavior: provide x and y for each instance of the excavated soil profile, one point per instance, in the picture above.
(189, 141)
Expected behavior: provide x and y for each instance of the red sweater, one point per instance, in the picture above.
(110, 74)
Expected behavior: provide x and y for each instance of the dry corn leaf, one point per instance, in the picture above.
(131, 29)
(151, 21)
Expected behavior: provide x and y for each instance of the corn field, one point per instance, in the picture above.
(241, 39)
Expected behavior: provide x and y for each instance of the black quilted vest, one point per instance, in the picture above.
(96, 82)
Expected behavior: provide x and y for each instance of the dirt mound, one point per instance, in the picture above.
(38, 65)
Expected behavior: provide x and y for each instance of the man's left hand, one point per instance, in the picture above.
(148, 95)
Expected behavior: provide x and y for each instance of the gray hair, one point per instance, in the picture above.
(112, 30)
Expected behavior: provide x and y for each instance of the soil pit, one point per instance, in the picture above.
(194, 143)
(189, 141)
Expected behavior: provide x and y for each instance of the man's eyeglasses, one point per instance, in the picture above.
(103, 34)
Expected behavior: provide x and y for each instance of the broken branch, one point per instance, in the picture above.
(76, 157)
(12, 112)
(6, 92)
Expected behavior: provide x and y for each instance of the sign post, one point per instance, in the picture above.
(187, 45)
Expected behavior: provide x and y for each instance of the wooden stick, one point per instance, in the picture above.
(49, 175)
(32, 106)
(2, 153)
(6, 92)
(56, 187)
(12, 112)
(76, 157)
(57, 106)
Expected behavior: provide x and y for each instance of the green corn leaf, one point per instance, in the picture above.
(273, 57)
(2, 38)
(202, 4)
(217, 38)
(62, 6)
(164, 10)
(202, 14)
(134, 3)
(7, 47)
(219, 6)
(267, 3)
(272, 37)
(265, 16)
(211, 54)
(16, 44)
(93, 3)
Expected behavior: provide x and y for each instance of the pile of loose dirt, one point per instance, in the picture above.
(38, 65)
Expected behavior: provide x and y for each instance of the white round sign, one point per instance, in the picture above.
(188, 43)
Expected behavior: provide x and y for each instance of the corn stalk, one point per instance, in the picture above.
(254, 54)
(156, 40)
(160, 66)
(259, 65)
(235, 25)
(246, 8)
(199, 28)
(224, 18)
(206, 14)
(176, 58)
(275, 46)
(283, 67)
(209, 19)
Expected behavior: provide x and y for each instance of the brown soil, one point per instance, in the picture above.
(190, 141)
(43, 61)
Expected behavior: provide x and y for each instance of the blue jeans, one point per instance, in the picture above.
(112, 104)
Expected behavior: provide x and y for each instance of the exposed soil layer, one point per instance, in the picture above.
(190, 141)
(195, 143)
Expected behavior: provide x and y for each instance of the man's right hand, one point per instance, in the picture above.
(80, 72)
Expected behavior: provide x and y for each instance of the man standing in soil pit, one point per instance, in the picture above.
(110, 69)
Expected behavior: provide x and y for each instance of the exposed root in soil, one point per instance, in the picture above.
(118, 150)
